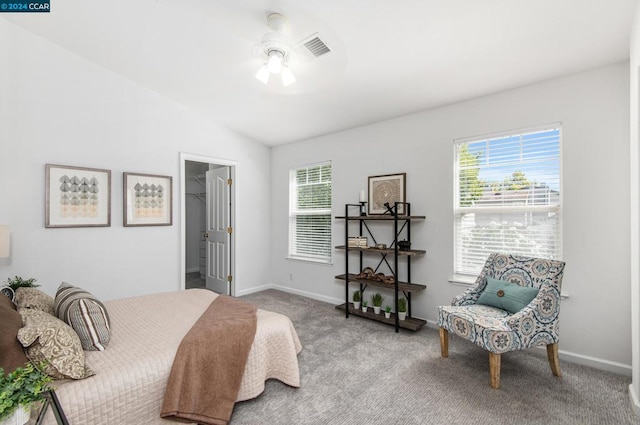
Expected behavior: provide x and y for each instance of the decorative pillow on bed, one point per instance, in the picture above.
(12, 354)
(49, 339)
(86, 315)
(35, 299)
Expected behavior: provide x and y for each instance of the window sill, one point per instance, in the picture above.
(309, 260)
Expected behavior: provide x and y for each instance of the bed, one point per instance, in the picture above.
(131, 374)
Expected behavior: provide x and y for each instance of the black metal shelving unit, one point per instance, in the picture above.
(400, 223)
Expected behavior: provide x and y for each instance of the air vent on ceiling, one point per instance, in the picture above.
(316, 46)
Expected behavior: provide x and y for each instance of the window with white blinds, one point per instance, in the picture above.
(507, 196)
(310, 213)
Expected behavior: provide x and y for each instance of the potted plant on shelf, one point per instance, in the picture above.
(356, 299)
(18, 390)
(402, 308)
(387, 312)
(376, 300)
(364, 306)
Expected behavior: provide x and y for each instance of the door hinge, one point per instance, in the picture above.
(229, 278)
(229, 230)
(205, 235)
(229, 182)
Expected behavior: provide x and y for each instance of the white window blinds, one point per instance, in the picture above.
(507, 197)
(310, 213)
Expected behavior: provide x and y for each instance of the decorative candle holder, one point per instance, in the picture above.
(363, 208)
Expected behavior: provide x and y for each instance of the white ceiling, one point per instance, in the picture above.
(388, 58)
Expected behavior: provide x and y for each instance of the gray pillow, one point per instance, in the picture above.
(85, 314)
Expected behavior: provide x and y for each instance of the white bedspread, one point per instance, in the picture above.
(131, 374)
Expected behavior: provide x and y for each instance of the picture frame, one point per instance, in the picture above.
(147, 200)
(388, 188)
(77, 196)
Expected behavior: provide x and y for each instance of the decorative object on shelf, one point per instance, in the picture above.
(5, 242)
(147, 200)
(387, 189)
(356, 299)
(387, 312)
(358, 242)
(376, 300)
(381, 246)
(364, 306)
(77, 196)
(363, 204)
(402, 308)
(404, 245)
(19, 390)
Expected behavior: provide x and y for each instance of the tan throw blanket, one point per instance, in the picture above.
(207, 370)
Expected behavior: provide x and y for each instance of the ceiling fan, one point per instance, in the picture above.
(278, 50)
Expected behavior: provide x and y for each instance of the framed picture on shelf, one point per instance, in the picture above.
(148, 200)
(386, 189)
(77, 196)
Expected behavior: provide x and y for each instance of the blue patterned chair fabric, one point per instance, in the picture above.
(499, 331)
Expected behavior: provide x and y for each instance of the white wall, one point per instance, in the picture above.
(62, 109)
(594, 110)
(634, 195)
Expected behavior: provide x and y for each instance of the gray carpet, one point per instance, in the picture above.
(355, 371)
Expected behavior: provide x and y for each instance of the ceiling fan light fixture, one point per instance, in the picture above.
(275, 61)
(263, 74)
(287, 76)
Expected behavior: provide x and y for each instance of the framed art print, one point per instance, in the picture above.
(386, 189)
(147, 200)
(77, 196)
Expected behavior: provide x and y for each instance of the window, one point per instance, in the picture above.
(310, 213)
(507, 196)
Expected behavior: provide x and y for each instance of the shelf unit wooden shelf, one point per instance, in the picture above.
(389, 256)
(410, 323)
(402, 286)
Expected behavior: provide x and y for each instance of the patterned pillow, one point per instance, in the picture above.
(34, 298)
(49, 339)
(12, 354)
(85, 314)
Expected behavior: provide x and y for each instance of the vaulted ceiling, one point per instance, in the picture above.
(388, 58)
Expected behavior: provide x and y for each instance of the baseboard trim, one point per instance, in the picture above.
(330, 300)
(253, 290)
(633, 397)
(594, 362)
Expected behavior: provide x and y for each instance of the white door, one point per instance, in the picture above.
(217, 234)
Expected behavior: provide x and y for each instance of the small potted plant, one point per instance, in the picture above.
(18, 390)
(12, 284)
(364, 306)
(376, 300)
(18, 282)
(356, 299)
(402, 308)
(387, 312)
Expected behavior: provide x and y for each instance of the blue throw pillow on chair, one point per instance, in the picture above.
(506, 295)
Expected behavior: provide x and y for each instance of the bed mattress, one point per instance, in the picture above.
(131, 374)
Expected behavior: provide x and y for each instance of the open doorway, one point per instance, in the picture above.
(207, 200)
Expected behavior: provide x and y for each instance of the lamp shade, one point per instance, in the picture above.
(5, 246)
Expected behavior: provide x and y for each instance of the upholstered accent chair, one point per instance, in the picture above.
(498, 330)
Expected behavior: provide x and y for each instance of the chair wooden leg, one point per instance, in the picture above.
(554, 361)
(444, 342)
(494, 370)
